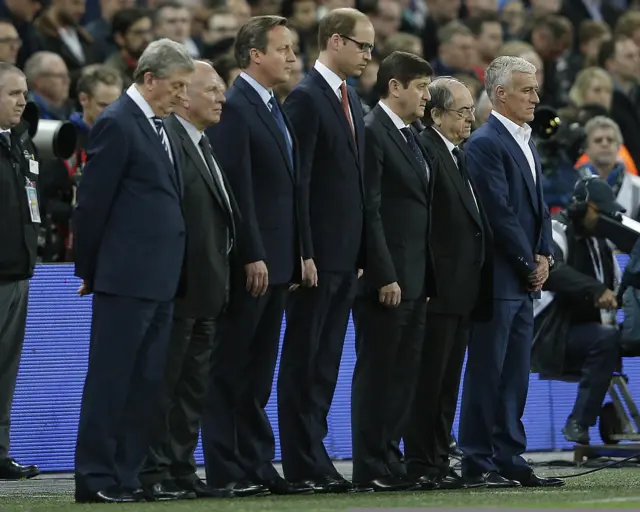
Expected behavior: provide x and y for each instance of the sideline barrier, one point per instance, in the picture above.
(54, 361)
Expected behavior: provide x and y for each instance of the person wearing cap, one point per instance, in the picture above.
(576, 332)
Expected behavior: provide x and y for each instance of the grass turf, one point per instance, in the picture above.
(613, 488)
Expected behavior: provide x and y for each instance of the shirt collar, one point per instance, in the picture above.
(139, 100)
(522, 132)
(264, 93)
(450, 145)
(332, 79)
(395, 118)
(194, 134)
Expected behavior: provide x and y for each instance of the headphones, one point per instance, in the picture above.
(579, 204)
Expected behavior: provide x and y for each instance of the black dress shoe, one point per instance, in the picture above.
(281, 487)
(167, 491)
(492, 480)
(451, 480)
(387, 483)
(246, 488)
(533, 480)
(426, 483)
(202, 490)
(329, 485)
(11, 470)
(575, 433)
(111, 495)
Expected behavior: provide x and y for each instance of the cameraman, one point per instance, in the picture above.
(98, 87)
(575, 319)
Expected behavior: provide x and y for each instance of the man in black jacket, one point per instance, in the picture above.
(399, 277)
(20, 214)
(575, 319)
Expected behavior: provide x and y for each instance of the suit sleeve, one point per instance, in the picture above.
(107, 155)
(569, 283)
(303, 116)
(230, 139)
(380, 268)
(488, 173)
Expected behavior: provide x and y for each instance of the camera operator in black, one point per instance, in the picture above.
(576, 331)
(20, 216)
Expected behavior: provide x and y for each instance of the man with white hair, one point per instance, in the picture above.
(505, 167)
(604, 140)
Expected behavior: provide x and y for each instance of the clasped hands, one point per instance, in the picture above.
(539, 276)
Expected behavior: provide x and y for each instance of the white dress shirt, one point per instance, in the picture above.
(400, 125)
(334, 82)
(522, 135)
(264, 93)
(139, 100)
(451, 146)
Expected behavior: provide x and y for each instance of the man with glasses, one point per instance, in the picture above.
(327, 119)
(462, 271)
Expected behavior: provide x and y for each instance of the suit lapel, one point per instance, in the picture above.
(453, 174)
(519, 157)
(334, 101)
(268, 119)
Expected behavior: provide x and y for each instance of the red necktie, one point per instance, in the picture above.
(345, 106)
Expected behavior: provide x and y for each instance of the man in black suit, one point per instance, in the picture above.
(130, 242)
(399, 276)
(209, 209)
(328, 121)
(459, 235)
(257, 147)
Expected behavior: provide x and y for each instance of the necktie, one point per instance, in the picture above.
(159, 124)
(462, 164)
(415, 149)
(208, 157)
(277, 114)
(7, 137)
(344, 95)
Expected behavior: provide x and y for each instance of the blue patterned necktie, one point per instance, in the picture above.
(415, 149)
(159, 124)
(277, 114)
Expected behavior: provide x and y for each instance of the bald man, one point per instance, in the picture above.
(209, 208)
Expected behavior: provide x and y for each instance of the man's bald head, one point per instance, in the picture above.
(206, 97)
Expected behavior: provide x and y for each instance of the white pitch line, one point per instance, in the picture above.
(610, 500)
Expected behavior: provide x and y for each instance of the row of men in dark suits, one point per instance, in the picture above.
(316, 194)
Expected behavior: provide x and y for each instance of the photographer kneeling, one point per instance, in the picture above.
(576, 331)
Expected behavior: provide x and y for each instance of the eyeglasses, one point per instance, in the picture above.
(464, 111)
(362, 47)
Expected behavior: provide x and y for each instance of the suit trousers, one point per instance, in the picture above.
(426, 442)
(317, 321)
(384, 382)
(494, 392)
(596, 349)
(237, 437)
(14, 298)
(127, 357)
(176, 426)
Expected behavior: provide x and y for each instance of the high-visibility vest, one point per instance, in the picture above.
(623, 156)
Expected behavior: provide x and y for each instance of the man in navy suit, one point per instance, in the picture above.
(130, 241)
(257, 148)
(328, 121)
(505, 167)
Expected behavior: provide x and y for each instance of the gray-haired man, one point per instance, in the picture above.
(130, 242)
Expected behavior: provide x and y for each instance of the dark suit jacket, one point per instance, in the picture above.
(130, 231)
(398, 211)
(210, 227)
(252, 151)
(463, 262)
(514, 205)
(330, 174)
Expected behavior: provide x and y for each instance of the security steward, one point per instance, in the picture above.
(576, 331)
(20, 214)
